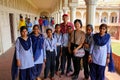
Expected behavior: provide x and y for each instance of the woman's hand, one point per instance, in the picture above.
(75, 50)
(90, 59)
(86, 45)
(18, 63)
(44, 60)
(107, 61)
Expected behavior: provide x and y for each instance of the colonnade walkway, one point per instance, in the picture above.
(5, 69)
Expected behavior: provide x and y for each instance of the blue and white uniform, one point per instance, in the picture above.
(100, 47)
(37, 46)
(58, 38)
(50, 52)
(24, 53)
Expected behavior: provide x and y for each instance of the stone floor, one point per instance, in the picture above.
(5, 67)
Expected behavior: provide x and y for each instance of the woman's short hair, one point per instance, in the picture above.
(78, 20)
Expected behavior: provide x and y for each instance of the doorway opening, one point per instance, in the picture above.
(11, 19)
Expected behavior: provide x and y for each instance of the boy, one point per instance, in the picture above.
(49, 54)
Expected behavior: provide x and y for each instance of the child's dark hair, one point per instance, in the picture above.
(48, 30)
(103, 25)
(78, 20)
(57, 25)
(35, 17)
(22, 28)
(91, 26)
(35, 26)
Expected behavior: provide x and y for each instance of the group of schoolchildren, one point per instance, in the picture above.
(34, 49)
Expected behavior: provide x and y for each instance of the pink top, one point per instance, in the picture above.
(65, 27)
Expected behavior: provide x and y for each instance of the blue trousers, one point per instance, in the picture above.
(26, 74)
(37, 70)
(97, 72)
(58, 57)
(50, 64)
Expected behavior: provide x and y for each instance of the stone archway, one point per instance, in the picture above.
(78, 15)
(104, 17)
(44, 13)
(113, 17)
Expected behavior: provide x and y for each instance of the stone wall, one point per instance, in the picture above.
(117, 62)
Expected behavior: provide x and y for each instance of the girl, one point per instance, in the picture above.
(77, 40)
(99, 53)
(58, 36)
(87, 43)
(50, 53)
(24, 55)
(37, 45)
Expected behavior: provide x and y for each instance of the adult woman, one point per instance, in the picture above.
(77, 40)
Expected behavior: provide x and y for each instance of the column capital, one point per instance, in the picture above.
(65, 9)
(73, 5)
(60, 11)
(91, 2)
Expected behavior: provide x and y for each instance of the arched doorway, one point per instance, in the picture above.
(113, 17)
(104, 17)
(78, 15)
(44, 13)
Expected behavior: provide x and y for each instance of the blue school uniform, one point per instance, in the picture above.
(100, 47)
(24, 53)
(58, 38)
(88, 41)
(29, 27)
(50, 55)
(65, 40)
(37, 45)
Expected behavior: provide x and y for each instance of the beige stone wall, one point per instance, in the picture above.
(16, 7)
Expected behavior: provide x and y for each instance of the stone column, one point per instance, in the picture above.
(108, 19)
(60, 15)
(73, 7)
(65, 7)
(118, 18)
(65, 10)
(91, 11)
(100, 17)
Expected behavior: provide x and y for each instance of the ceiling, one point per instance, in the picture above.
(44, 4)
(48, 5)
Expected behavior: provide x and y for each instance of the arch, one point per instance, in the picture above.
(104, 17)
(78, 15)
(44, 13)
(113, 17)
